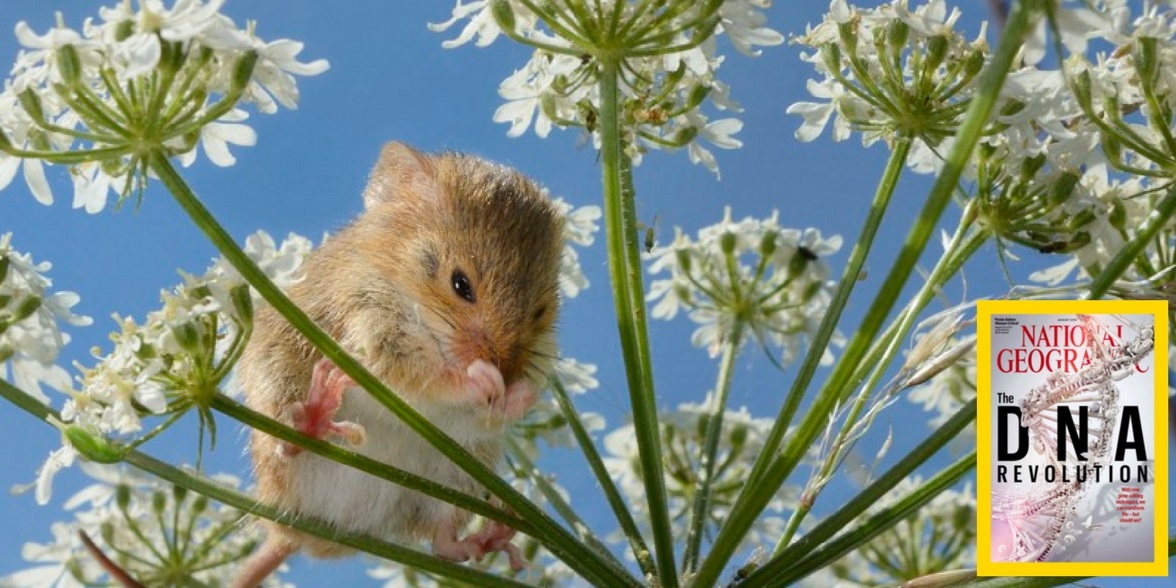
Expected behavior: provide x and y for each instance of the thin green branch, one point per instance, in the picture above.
(877, 524)
(1155, 221)
(621, 510)
(700, 510)
(629, 297)
(249, 504)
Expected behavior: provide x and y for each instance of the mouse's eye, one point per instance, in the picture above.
(461, 285)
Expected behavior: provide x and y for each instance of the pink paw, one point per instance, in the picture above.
(315, 415)
(487, 387)
(495, 537)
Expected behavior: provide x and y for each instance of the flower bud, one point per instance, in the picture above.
(94, 448)
(1118, 216)
(767, 244)
(1145, 60)
(158, 502)
(797, 264)
(503, 14)
(124, 30)
(1081, 89)
(243, 71)
(738, 436)
(106, 532)
(897, 33)
(242, 303)
(32, 104)
(69, 65)
(26, 308)
(684, 136)
(831, 55)
(936, 51)
(4, 263)
(199, 504)
(727, 242)
(5, 144)
(187, 336)
(179, 493)
(122, 496)
(697, 94)
(683, 258)
(1031, 165)
(973, 63)
(6, 351)
(1061, 189)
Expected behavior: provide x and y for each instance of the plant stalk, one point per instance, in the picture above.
(629, 297)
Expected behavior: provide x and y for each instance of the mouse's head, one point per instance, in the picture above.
(478, 250)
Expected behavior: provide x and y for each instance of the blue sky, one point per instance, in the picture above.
(390, 79)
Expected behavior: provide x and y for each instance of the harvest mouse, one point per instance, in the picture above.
(445, 288)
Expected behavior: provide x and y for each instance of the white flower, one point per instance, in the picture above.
(174, 533)
(558, 86)
(30, 335)
(190, 46)
(580, 227)
(772, 281)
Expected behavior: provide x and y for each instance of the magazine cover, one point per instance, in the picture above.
(1072, 418)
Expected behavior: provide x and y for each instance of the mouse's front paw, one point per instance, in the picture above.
(495, 537)
(315, 415)
(488, 388)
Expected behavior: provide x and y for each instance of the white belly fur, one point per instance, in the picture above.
(359, 502)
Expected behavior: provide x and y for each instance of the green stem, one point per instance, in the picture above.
(624, 517)
(849, 279)
(558, 540)
(754, 496)
(958, 251)
(710, 448)
(525, 469)
(250, 505)
(869, 495)
(1155, 221)
(629, 297)
(763, 487)
(885, 519)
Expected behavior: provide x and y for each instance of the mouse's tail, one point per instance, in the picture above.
(264, 561)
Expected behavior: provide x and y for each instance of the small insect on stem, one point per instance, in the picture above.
(650, 234)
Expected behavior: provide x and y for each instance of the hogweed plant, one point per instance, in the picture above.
(1076, 162)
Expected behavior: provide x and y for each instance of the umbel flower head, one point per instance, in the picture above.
(142, 80)
(890, 72)
(30, 333)
(668, 61)
(161, 535)
(174, 361)
(778, 298)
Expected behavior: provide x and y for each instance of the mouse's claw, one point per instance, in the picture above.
(315, 415)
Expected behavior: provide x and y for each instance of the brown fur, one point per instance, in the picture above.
(383, 288)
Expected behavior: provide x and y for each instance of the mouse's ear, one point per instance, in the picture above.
(402, 172)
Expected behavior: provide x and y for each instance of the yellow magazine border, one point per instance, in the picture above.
(984, 564)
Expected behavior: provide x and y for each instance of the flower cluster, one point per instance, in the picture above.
(779, 298)
(670, 61)
(682, 438)
(160, 535)
(175, 360)
(580, 227)
(939, 536)
(890, 73)
(141, 80)
(30, 335)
